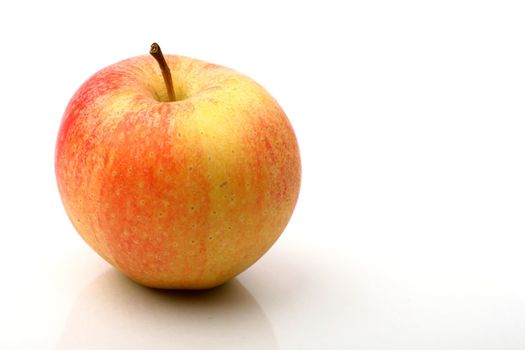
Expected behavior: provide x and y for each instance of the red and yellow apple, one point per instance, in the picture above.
(183, 193)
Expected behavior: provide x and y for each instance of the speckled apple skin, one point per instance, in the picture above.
(183, 194)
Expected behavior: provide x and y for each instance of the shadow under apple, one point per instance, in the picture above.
(115, 313)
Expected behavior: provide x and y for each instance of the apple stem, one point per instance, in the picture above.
(156, 52)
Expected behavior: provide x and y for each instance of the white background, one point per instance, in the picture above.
(409, 230)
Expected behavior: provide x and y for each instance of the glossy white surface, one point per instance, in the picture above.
(409, 231)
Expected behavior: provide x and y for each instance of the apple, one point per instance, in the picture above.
(178, 172)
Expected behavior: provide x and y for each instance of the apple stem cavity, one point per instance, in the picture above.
(156, 52)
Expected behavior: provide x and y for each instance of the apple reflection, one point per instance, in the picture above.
(116, 313)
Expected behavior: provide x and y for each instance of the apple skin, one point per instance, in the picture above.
(183, 194)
